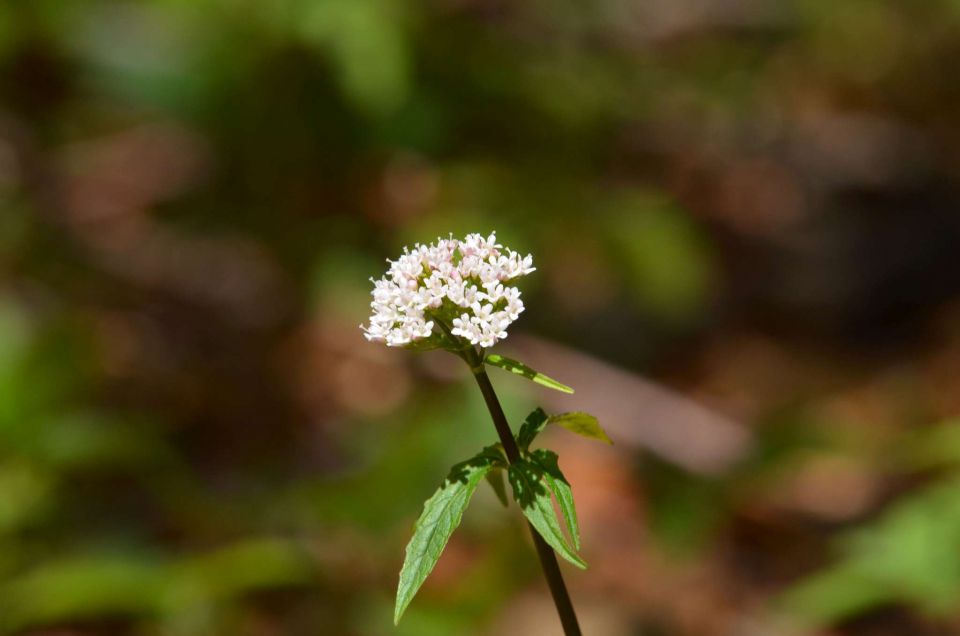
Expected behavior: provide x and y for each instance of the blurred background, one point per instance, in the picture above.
(744, 217)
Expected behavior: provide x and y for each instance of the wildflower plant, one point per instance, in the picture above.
(459, 295)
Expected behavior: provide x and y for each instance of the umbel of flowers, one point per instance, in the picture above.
(462, 285)
(459, 295)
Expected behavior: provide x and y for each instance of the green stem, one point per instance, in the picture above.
(548, 560)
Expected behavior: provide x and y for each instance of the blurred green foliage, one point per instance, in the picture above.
(906, 556)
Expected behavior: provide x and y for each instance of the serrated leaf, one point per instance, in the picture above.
(531, 427)
(515, 366)
(441, 515)
(582, 424)
(560, 488)
(531, 491)
(495, 479)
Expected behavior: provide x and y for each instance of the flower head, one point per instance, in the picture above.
(460, 287)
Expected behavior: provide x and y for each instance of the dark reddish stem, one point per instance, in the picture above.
(548, 559)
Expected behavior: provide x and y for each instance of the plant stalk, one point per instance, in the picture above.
(548, 559)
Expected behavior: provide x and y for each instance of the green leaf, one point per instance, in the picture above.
(441, 516)
(582, 424)
(560, 487)
(531, 427)
(495, 479)
(531, 491)
(514, 366)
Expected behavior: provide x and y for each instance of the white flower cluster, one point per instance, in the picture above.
(462, 284)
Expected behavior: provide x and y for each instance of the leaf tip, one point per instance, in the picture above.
(575, 559)
(403, 600)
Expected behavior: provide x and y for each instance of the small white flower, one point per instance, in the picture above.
(514, 306)
(461, 284)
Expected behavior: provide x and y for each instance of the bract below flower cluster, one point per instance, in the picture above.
(463, 285)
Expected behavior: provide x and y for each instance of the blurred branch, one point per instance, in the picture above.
(637, 412)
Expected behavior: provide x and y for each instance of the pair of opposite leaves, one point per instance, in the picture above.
(535, 479)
